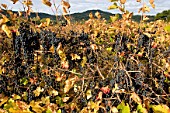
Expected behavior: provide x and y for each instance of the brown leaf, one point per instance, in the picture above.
(151, 1)
(65, 4)
(14, 1)
(46, 2)
(138, 0)
(27, 2)
(136, 98)
(4, 6)
(122, 1)
(91, 15)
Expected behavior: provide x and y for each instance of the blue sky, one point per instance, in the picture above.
(83, 5)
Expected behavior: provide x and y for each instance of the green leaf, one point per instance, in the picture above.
(48, 111)
(114, 18)
(140, 109)
(114, 6)
(167, 28)
(126, 109)
(121, 105)
(123, 108)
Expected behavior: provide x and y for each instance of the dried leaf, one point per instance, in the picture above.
(88, 94)
(52, 49)
(74, 56)
(122, 1)
(46, 2)
(14, 1)
(36, 107)
(114, 109)
(6, 30)
(136, 98)
(91, 15)
(105, 90)
(151, 1)
(27, 2)
(153, 5)
(69, 84)
(65, 4)
(138, 0)
(4, 6)
(38, 91)
(65, 99)
(97, 14)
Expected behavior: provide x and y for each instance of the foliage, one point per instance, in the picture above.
(94, 67)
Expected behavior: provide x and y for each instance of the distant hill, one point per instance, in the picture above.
(80, 16)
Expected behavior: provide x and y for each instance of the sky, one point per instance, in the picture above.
(83, 5)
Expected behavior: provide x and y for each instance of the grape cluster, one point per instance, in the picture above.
(24, 45)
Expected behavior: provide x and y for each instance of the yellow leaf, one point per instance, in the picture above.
(88, 94)
(153, 5)
(69, 84)
(47, 2)
(122, 1)
(74, 56)
(114, 6)
(48, 21)
(83, 62)
(65, 4)
(4, 6)
(97, 14)
(14, 1)
(52, 49)
(3, 20)
(3, 100)
(36, 107)
(38, 91)
(151, 1)
(91, 15)
(160, 108)
(114, 109)
(6, 30)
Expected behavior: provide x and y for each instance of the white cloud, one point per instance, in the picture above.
(83, 5)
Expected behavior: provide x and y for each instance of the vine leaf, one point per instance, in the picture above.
(160, 108)
(4, 6)
(47, 3)
(65, 4)
(27, 2)
(123, 108)
(14, 1)
(141, 109)
(114, 6)
(6, 30)
(122, 1)
(138, 0)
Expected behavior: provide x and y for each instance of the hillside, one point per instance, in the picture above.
(81, 16)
